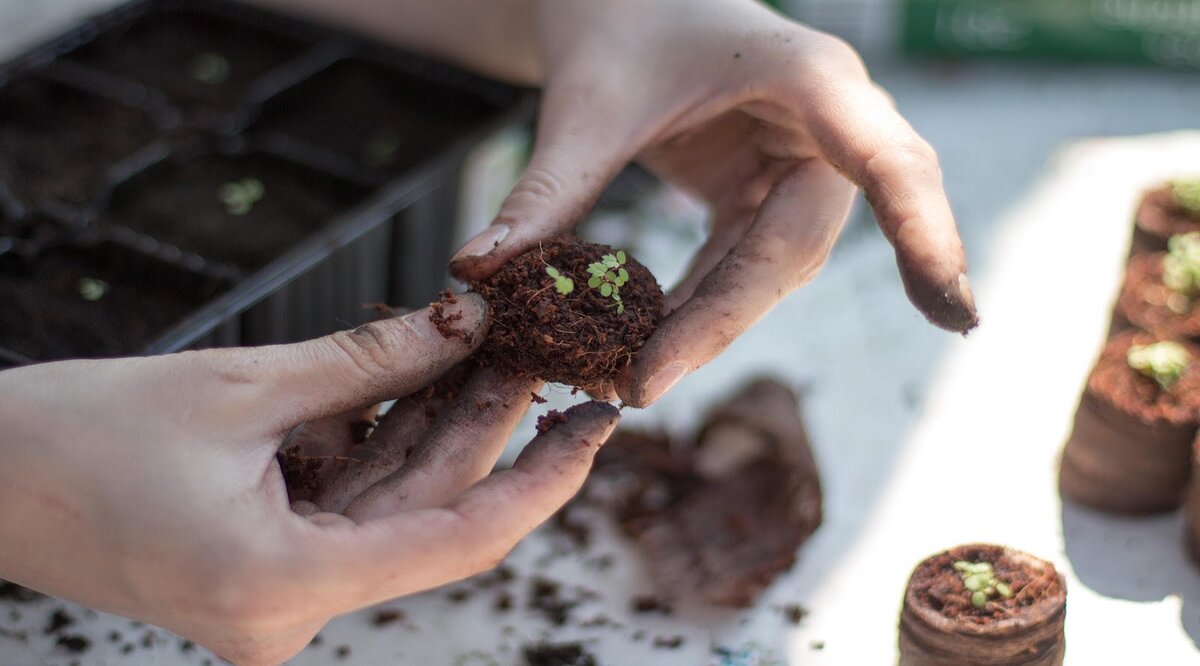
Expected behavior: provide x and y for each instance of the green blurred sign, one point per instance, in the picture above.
(1164, 32)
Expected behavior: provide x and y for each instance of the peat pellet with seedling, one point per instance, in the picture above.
(1166, 211)
(1129, 449)
(569, 311)
(1161, 292)
(983, 605)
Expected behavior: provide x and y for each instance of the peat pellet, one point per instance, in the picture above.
(940, 625)
(1160, 216)
(1130, 448)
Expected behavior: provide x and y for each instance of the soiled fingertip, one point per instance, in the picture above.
(592, 421)
(947, 305)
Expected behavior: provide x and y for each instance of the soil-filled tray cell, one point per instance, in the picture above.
(242, 210)
(382, 119)
(201, 62)
(57, 143)
(97, 301)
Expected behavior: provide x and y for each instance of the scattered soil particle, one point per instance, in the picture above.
(794, 613)
(537, 399)
(445, 322)
(384, 617)
(74, 644)
(114, 637)
(458, 595)
(21, 595)
(577, 339)
(650, 604)
(560, 654)
(545, 598)
(316, 640)
(58, 619)
(127, 648)
(668, 642)
(341, 651)
(547, 421)
(504, 603)
(579, 533)
(186, 646)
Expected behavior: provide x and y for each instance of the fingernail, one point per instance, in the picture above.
(966, 299)
(487, 240)
(662, 381)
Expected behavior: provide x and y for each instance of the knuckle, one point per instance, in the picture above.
(909, 158)
(833, 55)
(372, 349)
(537, 185)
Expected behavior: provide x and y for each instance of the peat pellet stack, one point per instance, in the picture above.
(1130, 449)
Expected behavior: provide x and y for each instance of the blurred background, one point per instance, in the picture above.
(1050, 118)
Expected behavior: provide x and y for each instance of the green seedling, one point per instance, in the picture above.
(211, 68)
(380, 150)
(1187, 194)
(980, 580)
(1181, 271)
(92, 289)
(239, 197)
(1164, 362)
(562, 284)
(608, 276)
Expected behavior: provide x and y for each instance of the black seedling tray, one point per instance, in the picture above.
(179, 174)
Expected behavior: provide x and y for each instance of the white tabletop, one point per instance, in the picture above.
(897, 409)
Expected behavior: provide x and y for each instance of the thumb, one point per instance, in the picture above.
(573, 160)
(377, 361)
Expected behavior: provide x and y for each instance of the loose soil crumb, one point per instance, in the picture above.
(342, 651)
(21, 595)
(58, 619)
(445, 322)
(668, 642)
(537, 399)
(74, 644)
(576, 339)
(382, 618)
(547, 421)
(545, 598)
(938, 585)
(794, 613)
(649, 604)
(562, 654)
(458, 596)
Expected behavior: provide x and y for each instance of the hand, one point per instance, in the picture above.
(769, 122)
(149, 487)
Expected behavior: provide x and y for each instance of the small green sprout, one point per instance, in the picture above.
(211, 68)
(1164, 362)
(980, 580)
(1187, 194)
(92, 289)
(239, 197)
(1181, 270)
(562, 284)
(608, 276)
(380, 150)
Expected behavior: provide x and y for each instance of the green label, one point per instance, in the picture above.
(1164, 32)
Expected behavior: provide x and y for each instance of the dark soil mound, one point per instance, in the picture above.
(580, 338)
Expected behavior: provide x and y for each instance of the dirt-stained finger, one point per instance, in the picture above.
(785, 247)
(458, 450)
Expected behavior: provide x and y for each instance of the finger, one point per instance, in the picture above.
(475, 531)
(785, 248)
(574, 158)
(374, 362)
(460, 449)
(865, 138)
(723, 238)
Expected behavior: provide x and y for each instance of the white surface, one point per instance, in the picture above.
(901, 414)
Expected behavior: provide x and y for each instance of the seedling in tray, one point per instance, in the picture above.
(239, 197)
